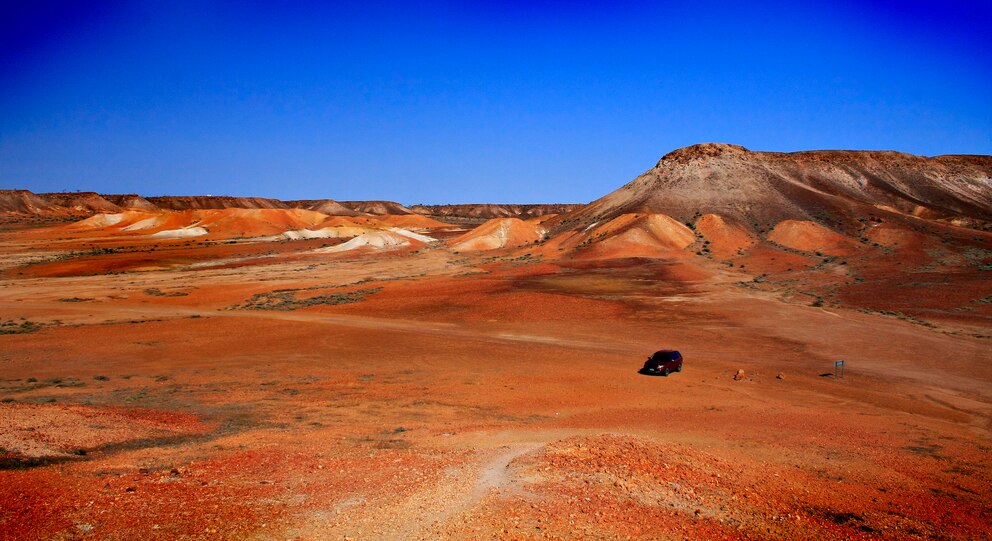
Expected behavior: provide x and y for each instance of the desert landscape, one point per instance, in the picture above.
(206, 367)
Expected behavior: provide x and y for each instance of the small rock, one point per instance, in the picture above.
(739, 375)
(780, 376)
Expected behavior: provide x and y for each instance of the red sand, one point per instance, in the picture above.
(811, 237)
(258, 390)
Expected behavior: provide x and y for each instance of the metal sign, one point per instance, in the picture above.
(838, 369)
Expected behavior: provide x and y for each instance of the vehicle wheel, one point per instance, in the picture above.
(665, 371)
(678, 368)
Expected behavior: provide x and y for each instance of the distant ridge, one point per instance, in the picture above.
(80, 201)
(67, 204)
(483, 211)
(202, 202)
(326, 206)
(23, 201)
(377, 207)
(131, 201)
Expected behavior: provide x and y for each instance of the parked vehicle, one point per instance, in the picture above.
(663, 362)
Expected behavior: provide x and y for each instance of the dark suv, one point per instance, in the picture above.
(663, 362)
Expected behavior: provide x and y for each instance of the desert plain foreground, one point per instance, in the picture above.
(234, 387)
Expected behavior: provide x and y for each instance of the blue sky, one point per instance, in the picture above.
(454, 102)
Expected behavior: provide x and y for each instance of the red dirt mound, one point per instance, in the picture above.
(499, 233)
(895, 236)
(627, 235)
(380, 241)
(212, 223)
(811, 237)
(230, 223)
(726, 238)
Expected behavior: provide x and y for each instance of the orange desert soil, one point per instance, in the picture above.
(226, 388)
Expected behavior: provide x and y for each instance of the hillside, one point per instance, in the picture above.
(833, 188)
(22, 201)
(84, 202)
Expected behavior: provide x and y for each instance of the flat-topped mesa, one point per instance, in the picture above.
(85, 202)
(835, 188)
(22, 201)
(200, 202)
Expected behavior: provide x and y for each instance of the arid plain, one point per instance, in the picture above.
(235, 368)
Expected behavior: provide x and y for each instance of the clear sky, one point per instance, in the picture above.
(454, 102)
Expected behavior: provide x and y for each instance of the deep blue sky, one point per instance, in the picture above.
(448, 102)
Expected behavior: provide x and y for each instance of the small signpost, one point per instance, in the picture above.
(838, 369)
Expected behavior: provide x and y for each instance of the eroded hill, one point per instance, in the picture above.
(834, 188)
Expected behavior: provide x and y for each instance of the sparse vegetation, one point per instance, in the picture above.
(156, 292)
(24, 327)
(286, 299)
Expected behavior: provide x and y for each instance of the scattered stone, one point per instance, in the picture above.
(779, 376)
(739, 375)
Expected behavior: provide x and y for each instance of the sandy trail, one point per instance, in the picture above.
(431, 511)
